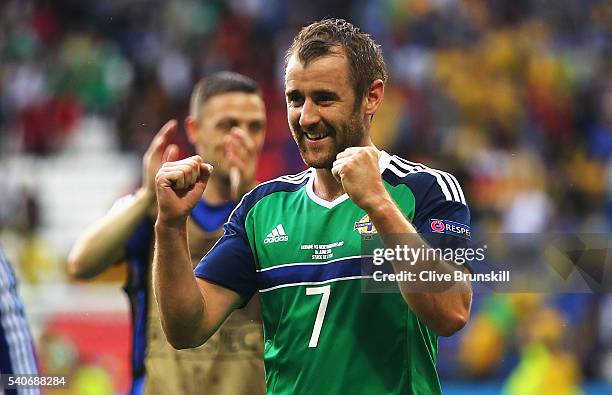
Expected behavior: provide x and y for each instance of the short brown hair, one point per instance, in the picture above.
(217, 84)
(326, 36)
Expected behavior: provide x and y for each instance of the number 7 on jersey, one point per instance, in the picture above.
(316, 330)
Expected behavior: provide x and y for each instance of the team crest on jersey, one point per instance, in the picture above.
(364, 226)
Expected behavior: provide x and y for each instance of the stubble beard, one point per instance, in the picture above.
(350, 134)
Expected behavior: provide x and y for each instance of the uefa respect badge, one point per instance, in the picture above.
(449, 228)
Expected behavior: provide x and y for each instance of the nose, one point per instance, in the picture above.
(309, 115)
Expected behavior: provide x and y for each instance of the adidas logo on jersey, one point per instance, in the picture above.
(277, 235)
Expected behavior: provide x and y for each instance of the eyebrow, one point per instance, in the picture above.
(323, 92)
(233, 119)
(320, 92)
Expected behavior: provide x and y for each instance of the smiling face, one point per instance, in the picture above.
(324, 116)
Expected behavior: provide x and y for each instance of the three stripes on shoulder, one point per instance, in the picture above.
(447, 182)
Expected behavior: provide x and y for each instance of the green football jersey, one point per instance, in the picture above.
(322, 333)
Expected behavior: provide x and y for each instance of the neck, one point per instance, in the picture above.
(217, 191)
(326, 186)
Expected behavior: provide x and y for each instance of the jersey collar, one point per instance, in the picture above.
(383, 163)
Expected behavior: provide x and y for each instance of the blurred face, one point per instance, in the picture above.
(211, 134)
(321, 110)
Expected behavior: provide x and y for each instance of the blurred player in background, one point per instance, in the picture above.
(297, 239)
(17, 354)
(226, 125)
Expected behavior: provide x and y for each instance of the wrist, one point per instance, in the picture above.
(376, 206)
(170, 225)
(377, 200)
(388, 218)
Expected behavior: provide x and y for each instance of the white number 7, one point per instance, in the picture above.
(316, 330)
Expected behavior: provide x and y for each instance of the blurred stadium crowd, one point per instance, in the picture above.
(514, 97)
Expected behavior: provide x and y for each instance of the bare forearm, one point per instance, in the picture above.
(446, 308)
(178, 297)
(103, 244)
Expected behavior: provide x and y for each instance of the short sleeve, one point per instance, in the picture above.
(446, 226)
(443, 223)
(230, 262)
(441, 215)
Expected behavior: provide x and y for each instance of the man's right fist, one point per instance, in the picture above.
(179, 186)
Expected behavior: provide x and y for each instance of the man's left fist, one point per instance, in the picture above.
(358, 171)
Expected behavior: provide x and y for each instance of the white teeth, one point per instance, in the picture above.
(315, 136)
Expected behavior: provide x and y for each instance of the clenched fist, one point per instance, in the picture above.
(358, 171)
(179, 186)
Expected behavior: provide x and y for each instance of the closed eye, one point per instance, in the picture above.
(295, 99)
(325, 98)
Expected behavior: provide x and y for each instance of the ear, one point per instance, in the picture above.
(191, 127)
(374, 97)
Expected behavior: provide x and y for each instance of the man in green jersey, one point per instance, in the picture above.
(297, 240)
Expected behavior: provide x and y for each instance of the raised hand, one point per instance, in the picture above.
(241, 156)
(358, 171)
(179, 186)
(152, 158)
